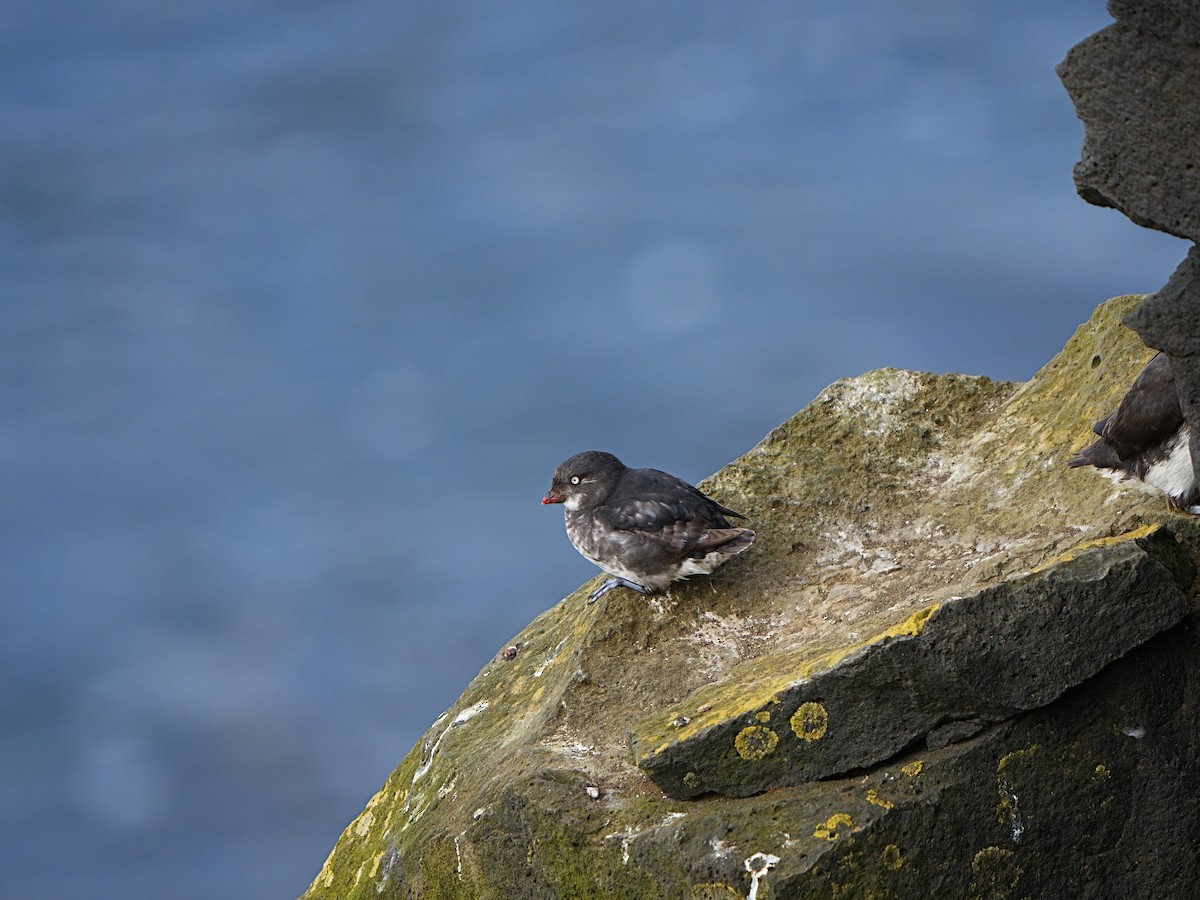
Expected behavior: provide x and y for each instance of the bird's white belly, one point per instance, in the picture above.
(1175, 474)
(703, 566)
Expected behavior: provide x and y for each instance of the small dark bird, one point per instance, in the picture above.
(644, 527)
(1146, 442)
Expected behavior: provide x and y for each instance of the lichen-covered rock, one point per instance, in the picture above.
(1089, 797)
(1006, 648)
(916, 656)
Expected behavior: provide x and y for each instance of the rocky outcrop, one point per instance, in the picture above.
(949, 666)
(943, 674)
(1136, 87)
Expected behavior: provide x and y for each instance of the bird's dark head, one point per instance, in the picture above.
(585, 479)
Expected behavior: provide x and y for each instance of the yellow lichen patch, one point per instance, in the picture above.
(1102, 773)
(1007, 811)
(892, 858)
(1015, 757)
(810, 721)
(763, 716)
(721, 704)
(691, 780)
(874, 798)
(755, 742)
(326, 873)
(829, 829)
(1078, 549)
(913, 624)
(910, 627)
(362, 824)
(994, 872)
(378, 858)
(988, 855)
(912, 769)
(712, 891)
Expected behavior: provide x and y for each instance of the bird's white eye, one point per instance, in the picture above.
(574, 479)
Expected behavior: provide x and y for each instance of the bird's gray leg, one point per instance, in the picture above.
(614, 583)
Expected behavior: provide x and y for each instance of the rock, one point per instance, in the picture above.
(1009, 647)
(929, 575)
(1058, 802)
(1136, 86)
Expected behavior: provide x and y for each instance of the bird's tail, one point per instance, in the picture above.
(739, 543)
(725, 541)
(1099, 454)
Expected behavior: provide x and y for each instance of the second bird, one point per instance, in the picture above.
(644, 527)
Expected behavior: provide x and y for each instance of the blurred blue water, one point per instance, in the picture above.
(302, 303)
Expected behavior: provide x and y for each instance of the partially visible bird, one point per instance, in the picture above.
(644, 527)
(1146, 443)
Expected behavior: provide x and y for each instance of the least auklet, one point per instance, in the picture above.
(644, 527)
(1146, 442)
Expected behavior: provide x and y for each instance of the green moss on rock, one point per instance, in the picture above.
(919, 539)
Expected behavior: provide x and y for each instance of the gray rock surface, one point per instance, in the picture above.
(1136, 87)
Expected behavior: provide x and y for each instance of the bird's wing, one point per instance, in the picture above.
(650, 500)
(1148, 414)
(643, 514)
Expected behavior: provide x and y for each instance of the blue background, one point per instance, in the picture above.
(303, 302)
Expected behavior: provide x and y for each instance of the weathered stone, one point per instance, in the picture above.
(1011, 647)
(1169, 319)
(880, 503)
(1172, 19)
(1090, 797)
(1136, 87)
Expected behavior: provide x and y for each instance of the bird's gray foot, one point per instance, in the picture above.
(614, 583)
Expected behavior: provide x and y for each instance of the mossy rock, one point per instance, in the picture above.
(931, 591)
